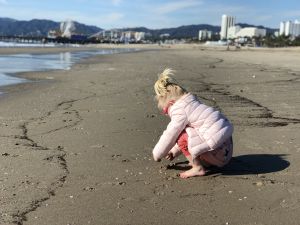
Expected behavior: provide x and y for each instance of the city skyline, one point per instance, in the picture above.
(152, 14)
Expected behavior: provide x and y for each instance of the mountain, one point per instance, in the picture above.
(187, 31)
(38, 27)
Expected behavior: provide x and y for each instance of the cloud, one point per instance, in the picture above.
(3, 1)
(177, 5)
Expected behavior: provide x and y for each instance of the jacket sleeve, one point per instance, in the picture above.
(175, 150)
(168, 139)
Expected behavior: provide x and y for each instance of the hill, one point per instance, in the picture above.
(187, 31)
(38, 27)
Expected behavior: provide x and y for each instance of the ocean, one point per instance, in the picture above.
(4, 44)
(10, 65)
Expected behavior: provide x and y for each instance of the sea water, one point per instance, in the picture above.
(4, 44)
(10, 65)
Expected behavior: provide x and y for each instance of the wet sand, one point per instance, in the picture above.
(76, 149)
(18, 50)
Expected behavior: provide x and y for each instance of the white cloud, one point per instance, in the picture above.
(177, 5)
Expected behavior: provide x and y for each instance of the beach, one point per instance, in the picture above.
(76, 146)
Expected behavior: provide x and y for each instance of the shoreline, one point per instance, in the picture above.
(30, 50)
(26, 75)
(19, 50)
(79, 149)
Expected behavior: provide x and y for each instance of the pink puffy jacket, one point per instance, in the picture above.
(206, 127)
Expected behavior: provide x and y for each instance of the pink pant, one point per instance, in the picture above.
(218, 157)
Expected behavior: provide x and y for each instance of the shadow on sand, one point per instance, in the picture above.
(244, 165)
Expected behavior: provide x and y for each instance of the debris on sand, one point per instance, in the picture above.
(88, 188)
(259, 183)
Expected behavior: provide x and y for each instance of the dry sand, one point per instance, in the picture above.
(76, 149)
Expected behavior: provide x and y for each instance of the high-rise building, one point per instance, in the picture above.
(227, 21)
(282, 28)
(290, 28)
(204, 35)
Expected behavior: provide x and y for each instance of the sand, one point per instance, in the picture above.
(76, 145)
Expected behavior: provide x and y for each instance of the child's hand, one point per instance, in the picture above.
(170, 156)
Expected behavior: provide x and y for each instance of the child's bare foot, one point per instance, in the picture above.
(195, 171)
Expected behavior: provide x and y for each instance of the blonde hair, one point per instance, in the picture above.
(167, 88)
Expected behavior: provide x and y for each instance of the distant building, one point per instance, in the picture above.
(232, 31)
(166, 35)
(282, 28)
(205, 35)
(227, 21)
(290, 28)
(115, 34)
(139, 36)
(129, 36)
(251, 32)
(67, 28)
(238, 32)
(107, 35)
(53, 34)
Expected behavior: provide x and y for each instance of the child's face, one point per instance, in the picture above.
(160, 101)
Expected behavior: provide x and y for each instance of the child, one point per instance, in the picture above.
(198, 131)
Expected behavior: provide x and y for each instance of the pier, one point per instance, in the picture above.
(44, 40)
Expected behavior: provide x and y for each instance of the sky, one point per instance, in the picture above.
(154, 14)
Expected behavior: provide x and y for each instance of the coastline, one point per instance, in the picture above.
(44, 51)
(78, 149)
(29, 50)
(95, 47)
